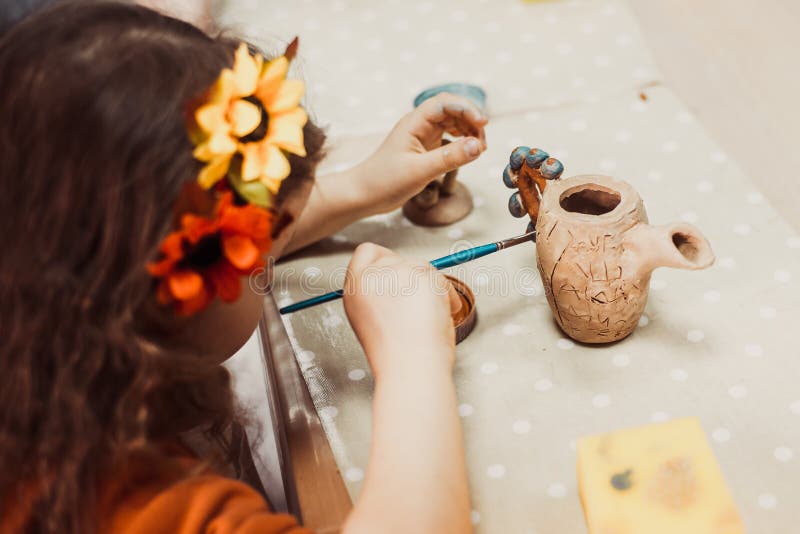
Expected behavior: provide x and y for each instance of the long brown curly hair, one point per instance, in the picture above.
(93, 152)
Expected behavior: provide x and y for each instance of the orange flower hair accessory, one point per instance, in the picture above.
(206, 257)
(242, 129)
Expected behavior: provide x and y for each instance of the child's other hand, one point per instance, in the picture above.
(412, 155)
(400, 310)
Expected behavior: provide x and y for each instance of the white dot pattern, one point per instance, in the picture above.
(679, 375)
(659, 417)
(565, 344)
(455, 233)
(718, 157)
(704, 186)
(783, 454)
(689, 216)
(475, 517)
(738, 391)
(306, 357)
(754, 349)
(356, 374)
(782, 276)
(496, 471)
(767, 501)
(755, 198)
(623, 136)
(621, 360)
(521, 427)
(671, 146)
(512, 329)
(465, 410)
(489, 368)
(557, 490)
(601, 401)
(328, 412)
(695, 336)
(354, 474)
(657, 284)
(721, 435)
(767, 312)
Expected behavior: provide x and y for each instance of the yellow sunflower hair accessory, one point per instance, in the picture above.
(248, 121)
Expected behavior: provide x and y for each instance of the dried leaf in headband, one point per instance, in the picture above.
(242, 129)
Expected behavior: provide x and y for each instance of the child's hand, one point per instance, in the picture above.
(412, 155)
(408, 160)
(404, 324)
(400, 310)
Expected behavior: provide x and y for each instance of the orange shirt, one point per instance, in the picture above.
(171, 501)
(205, 504)
(184, 497)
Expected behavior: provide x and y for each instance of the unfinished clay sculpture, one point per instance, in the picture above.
(595, 253)
(595, 249)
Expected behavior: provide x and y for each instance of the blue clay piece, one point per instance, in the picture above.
(509, 178)
(517, 157)
(473, 92)
(536, 157)
(552, 169)
(515, 206)
(529, 229)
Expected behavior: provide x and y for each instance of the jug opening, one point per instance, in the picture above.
(687, 245)
(590, 199)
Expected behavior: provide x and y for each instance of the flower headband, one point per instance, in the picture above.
(242, 129)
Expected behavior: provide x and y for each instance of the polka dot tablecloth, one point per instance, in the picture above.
(716, 344)
(364, 61)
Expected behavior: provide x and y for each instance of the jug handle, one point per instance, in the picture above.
(680, 245)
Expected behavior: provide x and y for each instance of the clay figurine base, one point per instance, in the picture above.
(467, 316)
(449, 209)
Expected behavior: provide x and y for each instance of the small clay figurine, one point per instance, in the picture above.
(445, 200)
(442, 202)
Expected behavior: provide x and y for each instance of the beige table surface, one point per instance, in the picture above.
(715, 344)
(735, 65)
(365, 61)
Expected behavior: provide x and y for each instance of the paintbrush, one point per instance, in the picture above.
(451, 260)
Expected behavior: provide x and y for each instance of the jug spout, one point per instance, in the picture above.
(678, 245)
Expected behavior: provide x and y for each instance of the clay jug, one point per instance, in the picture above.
(595, 251)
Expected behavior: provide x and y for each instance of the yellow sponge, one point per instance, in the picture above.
(655, 479)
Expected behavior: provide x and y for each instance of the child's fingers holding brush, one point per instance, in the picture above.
(400, 309)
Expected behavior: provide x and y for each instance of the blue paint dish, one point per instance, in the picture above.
(473, 92)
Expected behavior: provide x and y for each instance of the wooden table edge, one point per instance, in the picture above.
(314, 487)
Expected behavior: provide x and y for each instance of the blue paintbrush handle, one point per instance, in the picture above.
(463, 256)
(303, 304)
(451, 260)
